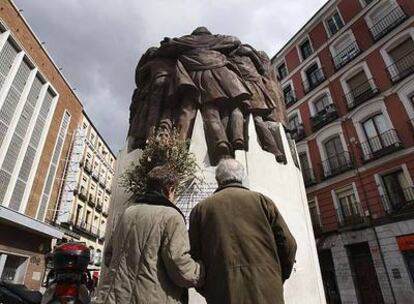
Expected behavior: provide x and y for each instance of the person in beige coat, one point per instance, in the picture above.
(243, 241)
(148, 255)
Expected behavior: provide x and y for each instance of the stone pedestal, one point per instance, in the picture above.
(282, 183)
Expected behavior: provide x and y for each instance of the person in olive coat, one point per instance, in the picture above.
(242, 240)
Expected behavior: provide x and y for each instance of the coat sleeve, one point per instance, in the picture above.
(285, 242)
(175, 251)
(195, 239)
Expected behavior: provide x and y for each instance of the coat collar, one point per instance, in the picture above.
(230, 185)
(156, 198)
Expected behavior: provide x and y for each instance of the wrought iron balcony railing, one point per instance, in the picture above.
(290, 98)
(313, 80)
(95, 175)
(88, 167)
(352, 220)
(324, 117)
(398, 200)
(377, 146)
(82, 194)
(402, 68)
(346, 55)
(85, 227)
(360, 94)
(337, 164)
(91, 201)
(99, 206)
(308, 177)
(390, 21)
(298, 133)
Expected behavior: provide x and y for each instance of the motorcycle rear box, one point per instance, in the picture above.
(71, 256)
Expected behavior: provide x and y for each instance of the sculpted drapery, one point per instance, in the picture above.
(225, 80)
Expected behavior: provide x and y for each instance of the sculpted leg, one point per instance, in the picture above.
(237, 129)
(155, 104)
(215, 131)
(186, 117)
(267, 139)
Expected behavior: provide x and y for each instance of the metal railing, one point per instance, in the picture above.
(389, 22)
(352, 220)
(82, 194)
(99, 206)
(91, 200)
(324, 117)
(361, 93)
(346, 55)
(85, 227)
(95, 175)
(380, 145)
(313, 80)
(402, 68)
(298, 132)
(337, 164)
(308, 177)
(290, 98)
(398, 200)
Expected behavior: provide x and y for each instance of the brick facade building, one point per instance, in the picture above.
(348, 81)
(39, 117)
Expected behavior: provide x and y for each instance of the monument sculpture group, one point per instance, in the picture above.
(225, 80)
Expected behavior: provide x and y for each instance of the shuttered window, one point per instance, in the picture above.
(44, 201)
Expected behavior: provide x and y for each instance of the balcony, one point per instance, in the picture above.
(308, 177)
(298, 133)
(102, 182)
(290, 98)
(390, 21)
(105, 211)
(313, 80)
(402, 68)
(346, 55)
(87, 167)
(99, 206)
(95, 175)
(336, 164)
(381, 145)
(82, 194)
(83, 226)
(91, 201)
(324, 117)
(360, 94)
(398, 200)
(108, 190)
(352, 220)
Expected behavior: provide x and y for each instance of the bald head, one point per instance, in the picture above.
(228, 171)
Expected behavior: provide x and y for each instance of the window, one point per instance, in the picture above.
(307, 172)
(78, 215)
(385, 16)
(398, 192)
(294, 122)
(348, 205)
(306, 49)
(360, 89)
(334, 23)
(402, 57)
(313, 210)
(337, 160)
(47, 190)
(374, 128)
(314, 76)
(321, 104)
(289, 95)
(87, 218)
(344, 50)
(12, 268)
(282, 70)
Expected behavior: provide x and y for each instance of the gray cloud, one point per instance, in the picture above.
(98, 43)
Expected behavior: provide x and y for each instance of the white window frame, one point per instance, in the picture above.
(318, 211)
(380, 5)
(364, 3)
(330, 15)
(325, 134)
(335, 198)
(380, 184)
(348, 35)
(311, 102)
(287, 69)
(299, 50)
(22, 272)
(363, 66)
(395, 41)
(307, 66)
(406, 92)
(304, 148)
(365, 111)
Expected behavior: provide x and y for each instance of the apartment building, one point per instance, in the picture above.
(348, 81)
(84, 204)
(39, 114)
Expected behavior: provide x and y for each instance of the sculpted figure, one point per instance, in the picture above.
(152, 77)
(221, 90)
(261, 104)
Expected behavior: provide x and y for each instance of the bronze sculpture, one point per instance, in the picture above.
(225, 80)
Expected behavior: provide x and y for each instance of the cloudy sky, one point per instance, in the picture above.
(99, 42)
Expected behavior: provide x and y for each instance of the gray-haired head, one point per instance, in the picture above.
(229, 170)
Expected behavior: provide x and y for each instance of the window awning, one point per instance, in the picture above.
(27, 223)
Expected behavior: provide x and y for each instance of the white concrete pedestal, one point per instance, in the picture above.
(282, 183)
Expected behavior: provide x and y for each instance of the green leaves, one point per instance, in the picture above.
(164, 148)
